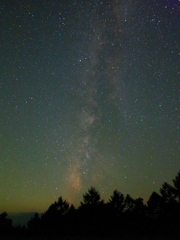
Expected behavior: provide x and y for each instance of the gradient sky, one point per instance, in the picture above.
(88, 97)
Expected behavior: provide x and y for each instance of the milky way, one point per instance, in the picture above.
(88, 97)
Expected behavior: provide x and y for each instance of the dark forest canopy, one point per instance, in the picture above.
(120, 216)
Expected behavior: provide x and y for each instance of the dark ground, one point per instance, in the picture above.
(97, 238)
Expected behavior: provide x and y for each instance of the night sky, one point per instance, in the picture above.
(88, 97)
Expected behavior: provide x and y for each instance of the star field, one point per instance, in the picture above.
(88, 97)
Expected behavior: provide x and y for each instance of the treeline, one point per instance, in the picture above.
(121, 216)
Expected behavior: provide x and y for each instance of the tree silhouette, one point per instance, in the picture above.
(5, 224)
(129, 203)
(114, 217)
(34, 224)
(91, 211)
(92, 197)
(54, 220)
(167, 192)
(59, 208)
(171, 205)
(62, 206)
(122, 217)
(155, 205)
(117, 202)
(139, 207)
(176, 182)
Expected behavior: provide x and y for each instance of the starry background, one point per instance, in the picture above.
(88, 97)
